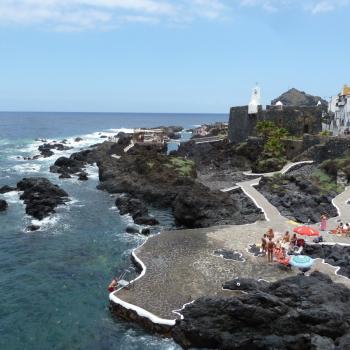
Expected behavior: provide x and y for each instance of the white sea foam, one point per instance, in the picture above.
(27, 168)
(47, 222)
(12, 197)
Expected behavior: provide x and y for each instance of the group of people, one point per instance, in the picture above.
(342, 229)
(280, 246)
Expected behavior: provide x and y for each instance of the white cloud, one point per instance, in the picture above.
(77, 15)
(313, 6)
(86, 14)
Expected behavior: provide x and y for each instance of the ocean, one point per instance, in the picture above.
(53, 282)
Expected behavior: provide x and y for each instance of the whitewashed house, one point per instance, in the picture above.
(339, 113)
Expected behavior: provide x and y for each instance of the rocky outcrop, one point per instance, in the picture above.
(3, 205)
(219, 155)
(297, 313)
(5, 189)
(46, 149)
(137, 209)
(335, 255)
(297, 198)
(297, 98)
(41, 197)
(64, 165)
(198, 207)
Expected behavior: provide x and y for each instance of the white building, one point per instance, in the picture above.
(339, 112)
(255, 101)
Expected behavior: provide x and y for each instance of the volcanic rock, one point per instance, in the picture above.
(297, 198)
(137, 209)
(131, 228)
(83, 176)
(335, 255)
(41, 197)
(46, 149)
(3, 205)
(78, 139)
(33, 228)
(5, 189)
(297, 313)
(294, 97)
(198, 207)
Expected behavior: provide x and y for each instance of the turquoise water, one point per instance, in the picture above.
(53, 282)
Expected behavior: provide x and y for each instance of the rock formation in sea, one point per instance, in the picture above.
(41, 197)
(296, 313)
(46, 149)
(3, 205)
(136, 208)
(6, 189)
(147, 174)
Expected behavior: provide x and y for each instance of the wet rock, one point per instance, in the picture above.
(83, 176)
(41, 197)
(78, 139)
(64, 176)
(64, 165)
(146, 220)
(131, 228)
(136, 208)
(33, 228)
(5, 189)
(103, 137)
(46, 149)
(145, 231)
(3, 205)
(295, 313)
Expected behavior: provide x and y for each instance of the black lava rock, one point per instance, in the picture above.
(5, 189)
(297, 313)
(3, 205)
(137, 209)
(41, 197)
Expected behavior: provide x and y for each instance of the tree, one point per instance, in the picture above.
(272, 136)
(265, 128)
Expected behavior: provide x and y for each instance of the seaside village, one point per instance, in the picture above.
(256, 254)
(284, 170)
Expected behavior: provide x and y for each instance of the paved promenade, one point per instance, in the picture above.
(181, 265)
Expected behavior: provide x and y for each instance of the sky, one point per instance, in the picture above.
(195, 56)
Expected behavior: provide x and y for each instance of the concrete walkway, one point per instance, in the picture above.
(180, 266)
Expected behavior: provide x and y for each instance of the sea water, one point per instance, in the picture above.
(53, 282)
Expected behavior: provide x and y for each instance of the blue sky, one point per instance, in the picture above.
(168, 56)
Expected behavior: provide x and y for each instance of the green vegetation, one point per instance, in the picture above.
(182, 166)
(272, 135)
(273, 154)
(333, 166)
(325, 182)
(325, 133)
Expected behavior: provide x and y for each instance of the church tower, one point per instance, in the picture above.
(255, 101)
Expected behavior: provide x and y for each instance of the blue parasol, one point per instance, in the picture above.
(301, 261)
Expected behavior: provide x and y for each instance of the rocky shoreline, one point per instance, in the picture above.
(41, 197)
(149, 176)
(295, 313)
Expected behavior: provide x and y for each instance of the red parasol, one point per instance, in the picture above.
(306, 231)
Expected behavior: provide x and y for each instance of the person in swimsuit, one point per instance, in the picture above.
(270, 234)
(270, 247)
(264, 243)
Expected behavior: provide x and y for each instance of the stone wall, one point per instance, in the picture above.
(297, 120)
